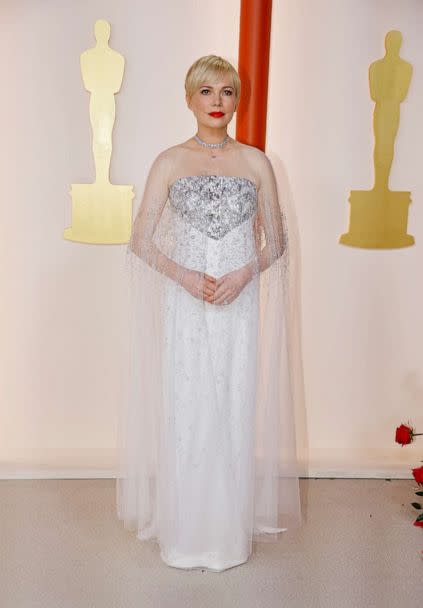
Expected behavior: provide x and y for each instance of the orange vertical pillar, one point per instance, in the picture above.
(253, 69)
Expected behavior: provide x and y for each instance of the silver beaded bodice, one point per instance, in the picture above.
(214, 204)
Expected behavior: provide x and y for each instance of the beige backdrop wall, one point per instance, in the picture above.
(63, 307)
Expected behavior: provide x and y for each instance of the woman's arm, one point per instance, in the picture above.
(154, 198)
(270, 219)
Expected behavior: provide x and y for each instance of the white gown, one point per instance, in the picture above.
(210, 365)
(191, 477)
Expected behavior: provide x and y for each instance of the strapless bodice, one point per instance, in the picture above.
(214, 204)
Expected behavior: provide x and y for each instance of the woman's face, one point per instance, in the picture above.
(214, 97)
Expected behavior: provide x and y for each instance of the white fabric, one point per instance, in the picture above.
(207, 433)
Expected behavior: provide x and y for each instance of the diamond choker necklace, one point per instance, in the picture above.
(218, 145)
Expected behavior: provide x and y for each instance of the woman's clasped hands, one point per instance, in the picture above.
(216, 291)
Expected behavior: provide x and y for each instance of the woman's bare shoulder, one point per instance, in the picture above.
(252, 152)
(165, 159)
(255, 159)
(172, 153)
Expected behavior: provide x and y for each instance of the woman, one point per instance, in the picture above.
(207, 443)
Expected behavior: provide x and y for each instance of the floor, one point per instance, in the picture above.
(63, 547)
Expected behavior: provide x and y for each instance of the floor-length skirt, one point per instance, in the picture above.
(205, 498)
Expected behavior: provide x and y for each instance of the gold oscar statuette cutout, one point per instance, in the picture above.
(101, 211)
(378, 217)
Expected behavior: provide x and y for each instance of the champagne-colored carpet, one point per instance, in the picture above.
(62, 546)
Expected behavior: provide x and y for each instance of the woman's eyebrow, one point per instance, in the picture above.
(226, 86)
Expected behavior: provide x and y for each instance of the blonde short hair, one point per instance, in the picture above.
(208, 69)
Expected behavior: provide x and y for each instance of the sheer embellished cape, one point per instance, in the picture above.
(208, 230)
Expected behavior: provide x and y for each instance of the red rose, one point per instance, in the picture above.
(418, 475)
(418, 523)
(404, 434)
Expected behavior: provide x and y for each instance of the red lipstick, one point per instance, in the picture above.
(216, 114)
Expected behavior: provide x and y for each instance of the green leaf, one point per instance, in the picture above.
(420, 493)
(416, 505)
(420, 517)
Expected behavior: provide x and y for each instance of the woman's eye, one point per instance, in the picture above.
(207, 90)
